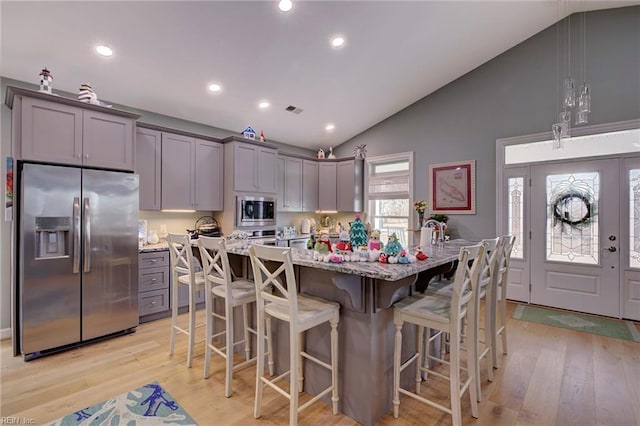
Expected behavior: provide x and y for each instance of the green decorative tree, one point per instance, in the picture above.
(357, 234)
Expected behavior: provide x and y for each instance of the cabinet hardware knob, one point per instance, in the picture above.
(154, 302)
(153, 279)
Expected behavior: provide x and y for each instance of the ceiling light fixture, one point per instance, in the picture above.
(264, 104)
(104, 50)
(215, 87)
(285, 5)
(329, 127)
(337, 41)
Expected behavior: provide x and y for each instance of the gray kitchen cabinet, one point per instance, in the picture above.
(345, 191)
(208, 175)
(61, 130)
(154, 279)
(327, 181)
(148, 167)
(289, 184)
(309, 186)
(254, 168)
(191, 173)
(183, 297)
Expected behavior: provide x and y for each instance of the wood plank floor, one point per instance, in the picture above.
(551, 376)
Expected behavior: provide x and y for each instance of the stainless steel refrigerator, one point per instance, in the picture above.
(77, 256)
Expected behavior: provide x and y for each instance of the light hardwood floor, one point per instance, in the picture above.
(551, 376)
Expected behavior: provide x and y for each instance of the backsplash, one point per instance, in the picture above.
(176, 222)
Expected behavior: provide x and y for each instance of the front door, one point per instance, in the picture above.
(575, 238)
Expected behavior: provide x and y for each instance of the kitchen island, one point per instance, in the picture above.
(366, 292)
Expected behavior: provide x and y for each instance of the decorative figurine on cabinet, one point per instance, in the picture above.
(46, 81)
(331, 156)
(359, 151)
(86, 94)
(262, 139)
(249, 133)
(321, 154)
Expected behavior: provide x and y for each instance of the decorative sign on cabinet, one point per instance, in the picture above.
(66, 131)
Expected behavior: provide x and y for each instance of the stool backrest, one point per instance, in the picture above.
(278, 286)
(181, 256)
(215, 263)
(489, 263)
(465, 284)
(507, 243)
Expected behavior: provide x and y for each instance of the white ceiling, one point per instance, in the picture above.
(167, 52)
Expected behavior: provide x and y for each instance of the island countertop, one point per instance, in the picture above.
(438, 254)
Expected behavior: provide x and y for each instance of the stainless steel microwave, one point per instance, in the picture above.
(255, 211)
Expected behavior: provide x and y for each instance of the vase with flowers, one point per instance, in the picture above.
(420, 206)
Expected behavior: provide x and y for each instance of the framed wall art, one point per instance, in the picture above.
(452, 188)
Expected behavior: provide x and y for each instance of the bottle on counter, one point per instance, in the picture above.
(311, 242)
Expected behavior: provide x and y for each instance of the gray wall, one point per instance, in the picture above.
(513, 94)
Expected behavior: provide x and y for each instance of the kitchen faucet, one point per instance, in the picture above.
(440, 225)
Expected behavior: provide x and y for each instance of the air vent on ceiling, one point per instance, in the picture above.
(294, 109)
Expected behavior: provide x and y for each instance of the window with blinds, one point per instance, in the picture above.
(389, 183)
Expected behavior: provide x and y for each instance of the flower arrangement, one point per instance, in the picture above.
(420, 206)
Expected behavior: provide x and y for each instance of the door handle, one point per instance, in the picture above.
(86, 210)
(76, 235)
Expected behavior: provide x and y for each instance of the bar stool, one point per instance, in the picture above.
(486, 292)
(499, 310)
(446, 315)
(239, 292)
(302, 312)
(183, 273)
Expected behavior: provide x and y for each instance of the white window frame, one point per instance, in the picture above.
(403, 156)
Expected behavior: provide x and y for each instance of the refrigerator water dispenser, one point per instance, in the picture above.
(52, 237)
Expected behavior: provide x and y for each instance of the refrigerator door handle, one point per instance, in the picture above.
(87, 235)
(76, 235)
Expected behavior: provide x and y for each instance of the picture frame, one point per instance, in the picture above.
(452, 188)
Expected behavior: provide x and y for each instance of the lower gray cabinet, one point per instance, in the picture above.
(154, 279)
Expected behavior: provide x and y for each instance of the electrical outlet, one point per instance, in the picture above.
(163, 228)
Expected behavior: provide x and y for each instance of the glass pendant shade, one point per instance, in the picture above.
(569, 92)
(565, 124)
(556, 129)
(584, 100)
(582, 117)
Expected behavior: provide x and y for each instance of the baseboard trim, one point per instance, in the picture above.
(5, 334)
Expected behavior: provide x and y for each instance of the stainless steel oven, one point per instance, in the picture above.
(255, 211)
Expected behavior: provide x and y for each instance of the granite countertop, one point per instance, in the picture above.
(294, 237)
(161, 246)
(438, 254)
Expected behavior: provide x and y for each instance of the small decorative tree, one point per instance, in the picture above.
(357, 234)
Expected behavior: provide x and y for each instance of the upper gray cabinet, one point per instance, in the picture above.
(345, 190)
(254, 168)
(61, 130)
(340, 185)
(290, 184)
(327, 198)
(149, 167)
(192, 171)
(309, 186)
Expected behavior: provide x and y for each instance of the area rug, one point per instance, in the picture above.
(147, 405)
(618, 329)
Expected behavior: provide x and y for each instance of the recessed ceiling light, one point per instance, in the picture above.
(264, 104)
(285, 5)
(337, 41)
(215, 87)
(104, 50)
(329, 127)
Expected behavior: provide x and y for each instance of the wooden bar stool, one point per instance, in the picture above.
(183, 273)
(445, 315)
(499, 310)
(276, 297)
(238, 292)
(481, 347)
